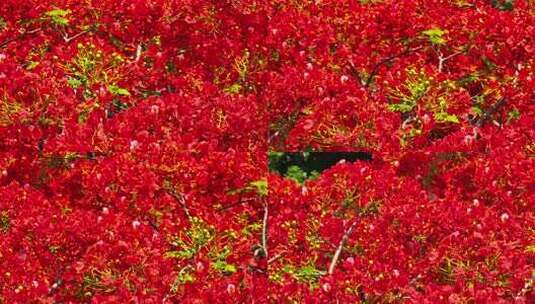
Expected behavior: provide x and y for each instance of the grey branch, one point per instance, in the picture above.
(442, 59)
(264, 230)
(181, 200)
(375, 70)
(22, 35)
(68, 39)
(336, 256)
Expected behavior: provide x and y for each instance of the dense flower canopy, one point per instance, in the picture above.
(135, 135)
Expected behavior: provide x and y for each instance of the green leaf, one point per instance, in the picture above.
(400, 107)
(31, 65)
(506, 5)
(261, 186)
(115, 90)
(182, 254)
(445, 117)
(296, 173)
(185, 275)
(223, 267)
(58, 16)
(488, 63)
(477, 110)
(74, 82)
(58, 13)
(233, 89)
(513, 115)
(435, 35)
(308, 273)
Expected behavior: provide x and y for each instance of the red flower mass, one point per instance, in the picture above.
(134, 138)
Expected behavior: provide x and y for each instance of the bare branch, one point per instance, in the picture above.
(22, 35)
(442, 60)
(336, 256)
(138, 52)
(274, 258)
(264, 229)
(68, 39)
(239, 202)
(181, 200)
(375, 70)
(489, 112)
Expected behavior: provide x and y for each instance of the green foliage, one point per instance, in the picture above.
(116, 90)
(441, 115)
(503, 5)
(74, 82)
(260, 186)
(468, 79)
(241, 65)
(401, 107)
(58, 16)
(30, 65)
(251, 229)
(372, 208)
(192, 240)
(489, 65)
(445, 117)
(224, 267)
(306, 274)
(513, 115)
(435, 36)
(86, 69)
(185, 275)
(233, 89)
(296, 173)
(119, 106)
(414, 88)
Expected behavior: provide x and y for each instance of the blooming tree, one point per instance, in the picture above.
(135, 137)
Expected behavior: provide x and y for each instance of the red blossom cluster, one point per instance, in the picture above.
(134, 138)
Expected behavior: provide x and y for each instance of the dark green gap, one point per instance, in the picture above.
(304, 165)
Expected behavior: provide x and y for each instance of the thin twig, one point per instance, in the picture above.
(239, 202)
(181, 200)
(138, 52)
(69, 39)
(264, 230)
(5, 43)
(274, 258)
(336, 256)
(441, 59)
(354, 72)
(489, 112)
(387, 60)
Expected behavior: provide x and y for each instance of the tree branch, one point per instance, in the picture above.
(442, 59)
(181, 200)
(336, 256)
(375, 70)
(68, 39)
(239, 202)
(274, 258)
(138, 52)
(22, 35)
(489, 112)
(264, 230)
